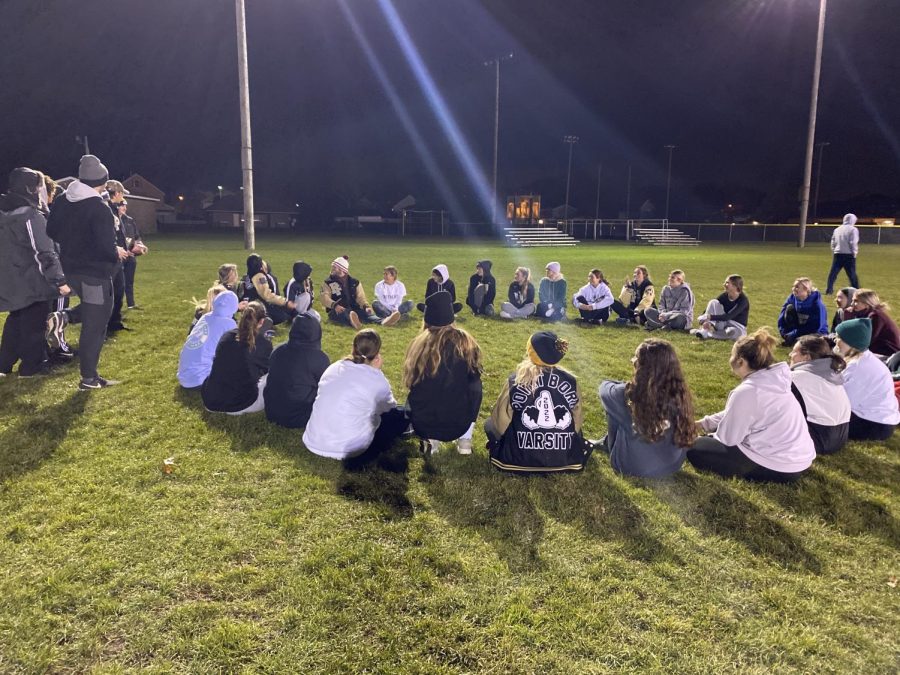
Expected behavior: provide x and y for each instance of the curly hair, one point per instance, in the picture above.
(423, 356)
(658, 396)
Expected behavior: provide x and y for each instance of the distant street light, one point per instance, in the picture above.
(219, 188)
(671, 149)
(811, 134)
(496, 63)
(821, 147)
(571, 140)
(246, 147)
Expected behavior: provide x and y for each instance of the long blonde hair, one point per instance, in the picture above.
(527, 274)
(527, 374)
(423, 356)
(870, 299)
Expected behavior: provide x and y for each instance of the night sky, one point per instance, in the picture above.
(154, 87)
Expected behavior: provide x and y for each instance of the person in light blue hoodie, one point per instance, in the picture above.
(195, 362)
(803, 313)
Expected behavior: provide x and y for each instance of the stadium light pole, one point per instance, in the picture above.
(496, 63)
(671, 149)
(246, 146)
(821, 147)
(811, 133)
(571, 140)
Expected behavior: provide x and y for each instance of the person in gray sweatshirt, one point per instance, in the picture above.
(676, 305)
(845, 246)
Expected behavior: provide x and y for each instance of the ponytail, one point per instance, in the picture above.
(366, 346)
(253, 313)
(817, 347)
(757, 349)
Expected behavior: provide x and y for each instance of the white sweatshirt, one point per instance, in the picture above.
(390, 295)
(347, 410)
(597, 297)
(765, 421)
(870, 387)
(823, 392)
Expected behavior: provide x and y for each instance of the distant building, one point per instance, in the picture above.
(228, 212)
(146, 203)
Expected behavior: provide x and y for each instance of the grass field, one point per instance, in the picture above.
(257, 556)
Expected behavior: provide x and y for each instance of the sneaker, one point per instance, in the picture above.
(137, 307)
(56, 325)
(464, 446)
(354, 320)
(700, 334)
(621, 321)
(389, 321)
(731, 333)
(434, 446)
(549, 313)
(505, 315)
(96, 383)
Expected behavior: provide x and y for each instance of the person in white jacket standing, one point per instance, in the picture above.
(355, 410)
(845, 247)
(594, 299)
(762, 434)
(868, 383)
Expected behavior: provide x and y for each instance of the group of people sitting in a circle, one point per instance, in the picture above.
(836, 386)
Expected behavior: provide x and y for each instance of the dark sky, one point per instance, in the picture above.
(154, 87)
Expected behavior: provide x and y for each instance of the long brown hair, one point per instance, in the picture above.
(817, 347)
(366, 346)
(658, 396)
(523, 287)
(423, 356)
(253, 313)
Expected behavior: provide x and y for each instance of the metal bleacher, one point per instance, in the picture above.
(532, 237)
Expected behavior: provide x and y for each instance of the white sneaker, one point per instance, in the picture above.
(505, 315)
(701, 334)
(434, 446)
(391, 320)
(464, 446)
(354, 320)
(549, 312)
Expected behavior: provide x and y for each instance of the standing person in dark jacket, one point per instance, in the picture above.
(636, 297)
(32, 274)
(803, 313)
(442, 371)
(116, 195)
(726, 316)
(134, 245)
(85, 230)
(294, 373)
(482, 289)
(521, 296)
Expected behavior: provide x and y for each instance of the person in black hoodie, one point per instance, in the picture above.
(637, 296)
(85, 230)
(115, 195)
(482, 289)
(261, 286)
(299, 290)
(440, 281)
(294, 373)
(442, 371)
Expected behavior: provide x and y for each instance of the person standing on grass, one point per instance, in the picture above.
(355, 411)
(819, 387)
(885, 333)
(636, 297)
(843, 300)
(196, 358)
(115, 194)
(650, 419)
(676, 305)
(389, 296)
(762, 433)
(299, 290)
(482, 290)
(442, 371)
(85, 230)
(32, 274)
(868, 382)
(440, 281)
(258, 285)
(845, 246)
(803, 313)
(345, 300)
(726, 316)
(521, 296)
(594, 299)
(135, 245)
(552, 294)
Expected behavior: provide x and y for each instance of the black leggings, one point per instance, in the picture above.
(23, 338)
(865, 430)
(708, 454)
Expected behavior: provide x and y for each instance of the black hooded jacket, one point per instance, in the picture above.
(85, 230)
(300, 283)
(294, 372)
(247, 290)
(475, 280)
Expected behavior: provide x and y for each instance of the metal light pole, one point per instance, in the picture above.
(496, 63)
(811, 134)
(628, 196)
(597, 207)
(671, 149)
(571, 140)
(821, 147)
(246, 146)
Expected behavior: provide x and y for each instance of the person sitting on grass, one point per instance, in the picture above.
(594, 299)
(294, 373)
(535, 426)
(726, 316)
(819, 387)
(843, 299)
(299, 290)
(803, 313)
(885, 334)
(355, 411)
(762, 433)
(440, 281)
(258, 285)
(521, 296)
(196, 359)
(868, 382)
(676, 305)
(650, 419)
(552, 294)
(238, 375)
(636, 297)
(344, 298)
(389, 294)
(482, 290)
(442, 371)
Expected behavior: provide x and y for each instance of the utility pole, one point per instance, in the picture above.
(496, 63)
(811, 133)
(671, 149)
(571, 140)
(628, 196)
(246, 146)
(821, 147)
(597, 208)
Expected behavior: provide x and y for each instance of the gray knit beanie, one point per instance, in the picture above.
(92, 172)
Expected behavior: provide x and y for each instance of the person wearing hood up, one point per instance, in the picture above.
(762, 433)
(803, 313)
(440, 281)
(295, 369)
(552, 294)
(261, 286)
(196, 359)
(85, 230)
(676, 305)
(32, 274)
(843, 300)
(845, 246)
(819, 387)
(299, 290)
(594, 299)
(482, 289)
(389, 293)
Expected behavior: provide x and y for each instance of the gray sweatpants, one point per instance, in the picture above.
(722, 330)
(522, 312)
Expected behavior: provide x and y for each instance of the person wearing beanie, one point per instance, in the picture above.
(676, 305)
(134, 244)
(843, 300)
(521, 296)
(594, 299)
(32, 274)
(761, 434)
(440, 281)
(535, 425)
(258, 285)
(868, 383)
(885, 333)
(726, 316)
(389, 298)
(299, 290)
(196, 358)
(845, 247)
(84, 228)
(803, 313)
(442, 371)
(552, 294)
(636, 297)
(482, 289)
(344, 298)
(115, 195)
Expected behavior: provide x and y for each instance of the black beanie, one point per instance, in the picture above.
(439, 309)
(548, 347)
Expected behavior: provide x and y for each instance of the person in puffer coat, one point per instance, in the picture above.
(196, 359)
(803, 313)
(295, 369)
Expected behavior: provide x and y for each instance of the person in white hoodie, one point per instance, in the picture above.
(762, 434)
(845, 246)
(440, 281)
(819, 388)
(594, 299)
(868, 383)
(355, 410)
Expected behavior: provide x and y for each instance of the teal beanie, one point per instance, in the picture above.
(856, 332)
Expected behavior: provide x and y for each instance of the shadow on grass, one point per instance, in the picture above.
(381, 479)
(25, 445)
(863, 467)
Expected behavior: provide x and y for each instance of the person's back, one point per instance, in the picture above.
(84, 228)
(825, 402)
(196, 358)
(870, 387)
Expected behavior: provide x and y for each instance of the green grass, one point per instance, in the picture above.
(256, 555)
